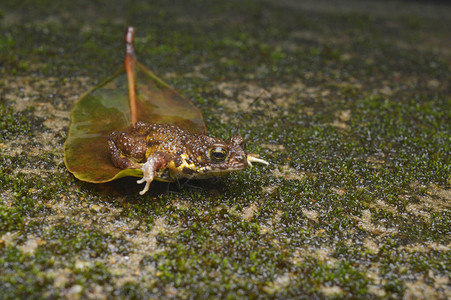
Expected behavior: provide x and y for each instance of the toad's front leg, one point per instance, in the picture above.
(154, 163)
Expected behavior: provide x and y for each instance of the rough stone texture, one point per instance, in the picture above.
(350, 101)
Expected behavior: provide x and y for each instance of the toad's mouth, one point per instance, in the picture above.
(250, 157)
(208, 171)
(212, 171)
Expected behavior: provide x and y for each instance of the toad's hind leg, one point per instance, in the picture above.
(122, 146)
(155, 162)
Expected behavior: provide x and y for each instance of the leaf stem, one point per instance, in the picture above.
(129, 68)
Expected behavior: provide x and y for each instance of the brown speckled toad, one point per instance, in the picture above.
(167, 152)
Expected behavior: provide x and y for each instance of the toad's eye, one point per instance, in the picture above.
(217, 154)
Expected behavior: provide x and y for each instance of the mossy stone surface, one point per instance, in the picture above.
(350, 101)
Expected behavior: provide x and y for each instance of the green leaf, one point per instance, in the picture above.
(106, 108)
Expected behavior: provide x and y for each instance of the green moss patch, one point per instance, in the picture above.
(350, 106)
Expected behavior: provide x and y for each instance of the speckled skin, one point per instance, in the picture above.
(179, 153)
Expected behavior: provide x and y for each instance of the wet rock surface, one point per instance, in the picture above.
(350, 101)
